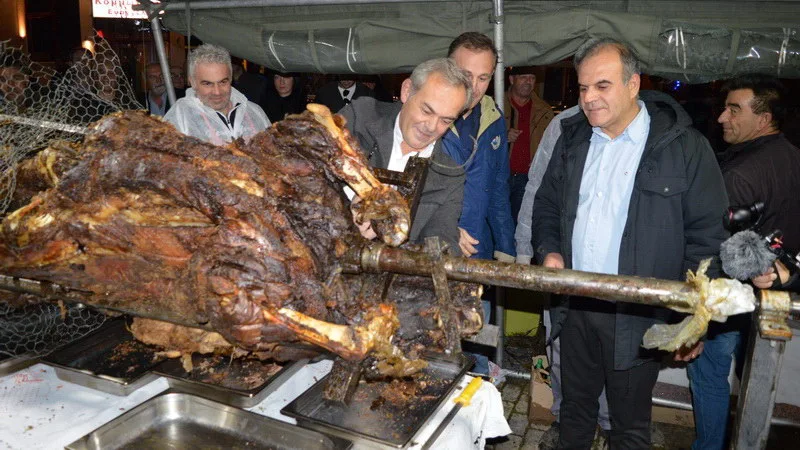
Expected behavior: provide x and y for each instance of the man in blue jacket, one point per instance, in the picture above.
(477, 140)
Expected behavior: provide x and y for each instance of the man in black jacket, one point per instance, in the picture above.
(631, 189)
(760, 165)
(337, 94)
(156, 100)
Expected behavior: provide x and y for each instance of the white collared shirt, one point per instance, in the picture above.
(350, 91)
(397, 160)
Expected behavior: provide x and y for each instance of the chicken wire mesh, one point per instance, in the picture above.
(37, 329)
(40, 107)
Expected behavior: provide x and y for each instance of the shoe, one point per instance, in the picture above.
(549, 440)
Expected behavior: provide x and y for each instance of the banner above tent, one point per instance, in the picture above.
(694, 41)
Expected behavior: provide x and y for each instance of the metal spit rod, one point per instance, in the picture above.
(55, 292)
(675, 295)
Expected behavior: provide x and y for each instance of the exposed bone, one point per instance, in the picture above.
(349, 342)
(379, 201)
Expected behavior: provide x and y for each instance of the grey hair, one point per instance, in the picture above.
(209, 53)
(630, 63)
(448, 69)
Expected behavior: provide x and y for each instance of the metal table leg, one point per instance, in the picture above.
(768, 335)
(499, 313)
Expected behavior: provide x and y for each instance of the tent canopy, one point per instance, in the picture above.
(690, 40)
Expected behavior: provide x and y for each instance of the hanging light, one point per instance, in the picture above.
(22, 29)
(88, 44)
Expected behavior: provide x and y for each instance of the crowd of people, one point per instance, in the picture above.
(620, 183)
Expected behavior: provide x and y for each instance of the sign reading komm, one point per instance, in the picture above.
(116, 9)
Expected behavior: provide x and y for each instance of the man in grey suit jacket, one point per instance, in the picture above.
(390, 133)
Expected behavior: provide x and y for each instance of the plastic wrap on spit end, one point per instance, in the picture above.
(729, 297)
(672, 337)
(718, 299)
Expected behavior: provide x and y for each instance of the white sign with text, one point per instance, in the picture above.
(116, 9)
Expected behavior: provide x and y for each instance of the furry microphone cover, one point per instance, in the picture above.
(745, 255)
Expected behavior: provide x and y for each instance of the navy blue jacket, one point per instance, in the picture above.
(486, 214)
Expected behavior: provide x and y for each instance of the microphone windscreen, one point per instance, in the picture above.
(745, 255)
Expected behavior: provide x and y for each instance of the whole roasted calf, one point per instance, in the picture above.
(242, 240)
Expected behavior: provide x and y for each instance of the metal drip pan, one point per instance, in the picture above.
(389, 414)
(182, 421)
(239, 382)
(11, 364)
(108, 360)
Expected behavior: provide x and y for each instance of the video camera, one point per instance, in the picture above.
(742, 219)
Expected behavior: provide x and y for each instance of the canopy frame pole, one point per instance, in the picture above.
(499, 99)
(153, 11)
(220, 4)
(498, 19)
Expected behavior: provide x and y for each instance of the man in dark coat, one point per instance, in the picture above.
(631, 189)
(156, 100)
(760, 165)
(336, 94)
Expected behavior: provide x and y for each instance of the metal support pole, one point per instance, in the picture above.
(499, 100)
(219, 4)
(499, 74)
(499, 310)
(155, 26)
(46, 124)
(188, 31)
(757, 395)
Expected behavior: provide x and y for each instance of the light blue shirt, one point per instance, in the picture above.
(605, 195)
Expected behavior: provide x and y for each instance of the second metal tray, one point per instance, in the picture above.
(182, 421)
(239, 382)
(381, 413)
(109, 360)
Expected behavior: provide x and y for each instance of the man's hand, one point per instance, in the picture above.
(687, 354)
(765, 280)
(553, 261)
(513, 134)
(364, 228)
(467, 243)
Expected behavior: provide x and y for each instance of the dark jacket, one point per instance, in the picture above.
(278, 107)
(329, 95)
(674, 216)
(145, 100)
(372, 123)
(766, 169)
(254, 86)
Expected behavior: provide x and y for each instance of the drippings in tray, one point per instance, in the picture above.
(219, 370)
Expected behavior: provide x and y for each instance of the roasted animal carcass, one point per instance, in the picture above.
(243, 240)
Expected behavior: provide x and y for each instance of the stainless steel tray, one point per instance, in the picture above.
(11, 364)
(372, 420)
(232, 382)
(109, 360)
(183, 421)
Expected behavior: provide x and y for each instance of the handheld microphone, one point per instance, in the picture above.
(746, 255)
